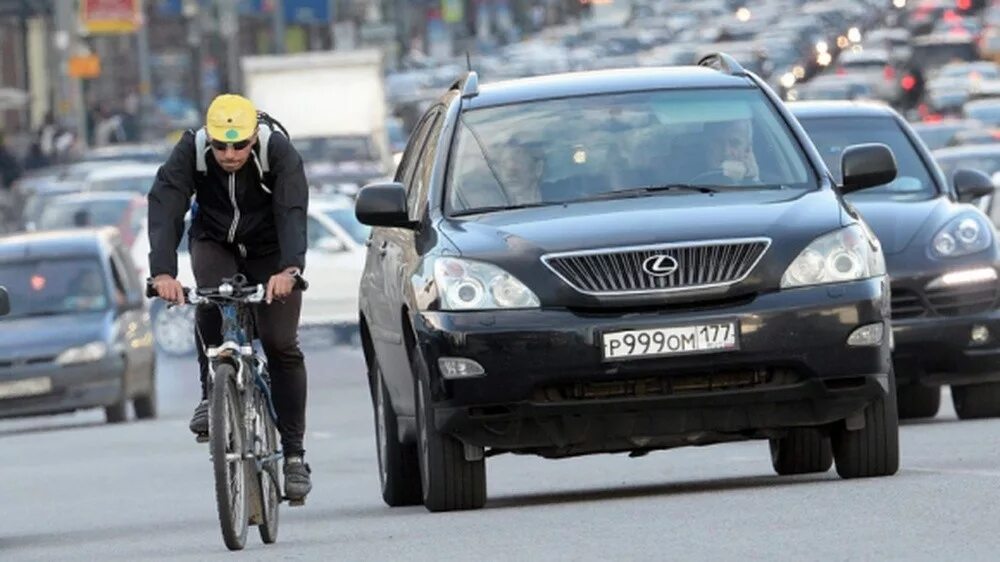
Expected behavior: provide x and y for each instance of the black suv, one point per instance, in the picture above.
(621, 261)
(941, 255)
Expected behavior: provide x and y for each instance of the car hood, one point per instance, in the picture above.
(897, 223)
(50, 335)
(644, 220)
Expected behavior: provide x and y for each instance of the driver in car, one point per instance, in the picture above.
(731, 151)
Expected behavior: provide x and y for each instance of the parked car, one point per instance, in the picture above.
(941, 254)
(76, 336)
(567, 266)
(334, 263)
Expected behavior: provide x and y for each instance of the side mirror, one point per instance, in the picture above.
(383, 204)
(972, 185)
(867, 165)
(331, 245)
(4, 302)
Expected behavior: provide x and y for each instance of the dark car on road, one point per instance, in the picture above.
(941, 254)
(76, 335)
(621, 262)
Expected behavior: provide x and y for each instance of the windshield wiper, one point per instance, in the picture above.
(649, 189)
(489, 209)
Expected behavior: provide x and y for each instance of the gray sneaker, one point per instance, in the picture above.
(199, 421)
(297, 481)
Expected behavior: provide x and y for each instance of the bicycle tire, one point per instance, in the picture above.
(227, 435)
(269, 479)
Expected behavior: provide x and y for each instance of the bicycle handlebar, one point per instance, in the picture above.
(235, 289)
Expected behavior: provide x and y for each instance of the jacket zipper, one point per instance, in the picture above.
(236, 209)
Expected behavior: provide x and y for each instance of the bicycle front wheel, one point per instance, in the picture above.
(227, 442)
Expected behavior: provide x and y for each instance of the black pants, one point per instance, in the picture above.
(277, 326)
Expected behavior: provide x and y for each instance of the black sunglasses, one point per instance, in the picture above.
(221, 146)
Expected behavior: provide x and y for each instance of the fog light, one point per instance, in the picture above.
(867, 336)
(459, 368)
(980, 334)
(964, 277)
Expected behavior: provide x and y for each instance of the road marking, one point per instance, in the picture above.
(321, 435)
(958, 471)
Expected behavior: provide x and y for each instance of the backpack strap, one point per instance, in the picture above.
(264, 132)
(200, 148)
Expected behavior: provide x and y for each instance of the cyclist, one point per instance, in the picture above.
(252, 198)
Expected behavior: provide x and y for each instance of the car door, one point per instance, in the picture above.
(336, 263)
(132, 330)
(398, 266)
(386, 336)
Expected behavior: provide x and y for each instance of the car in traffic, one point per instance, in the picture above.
(621, 262)
(76, 336)
(982, 157)
(939, 134)
(941, 254)
(4, 302)
(124, 210)
(335, 258)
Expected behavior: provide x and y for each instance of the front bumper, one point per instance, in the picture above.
(548, 390)
(74, 387)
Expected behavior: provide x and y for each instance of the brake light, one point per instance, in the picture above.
(951, 17)
(933, 118)
(889, 73)
(908, 82)
(996, 135)
(841, 71)
(964, 5)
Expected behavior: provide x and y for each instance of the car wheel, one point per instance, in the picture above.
(918, 401)
(117, 412)
(399, 467)
(145, 406)
(449, 482)
(173, 328)
(975, 401)
(803, 451)
(874, 449)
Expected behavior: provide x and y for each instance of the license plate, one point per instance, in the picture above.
(679, 340)
(26, 387)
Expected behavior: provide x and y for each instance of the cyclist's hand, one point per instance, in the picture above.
(169, 289)
(280, 285)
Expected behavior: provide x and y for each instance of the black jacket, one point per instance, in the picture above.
(259, 224)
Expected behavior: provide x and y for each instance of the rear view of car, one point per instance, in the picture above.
(621, 261)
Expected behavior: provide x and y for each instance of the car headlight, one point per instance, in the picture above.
(963, 235)
(470, 285)
(93, 351)
(848, 254)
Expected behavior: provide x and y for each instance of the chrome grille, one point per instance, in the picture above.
(619, 271)
(906, 304)
(957, 301)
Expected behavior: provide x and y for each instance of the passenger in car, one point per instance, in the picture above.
(520, 167)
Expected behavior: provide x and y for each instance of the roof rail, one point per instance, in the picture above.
(468, 85)
(723, 63)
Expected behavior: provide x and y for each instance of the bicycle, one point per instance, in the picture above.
(240, 405)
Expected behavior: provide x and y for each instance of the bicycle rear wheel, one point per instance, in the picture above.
(270, 478)
(228, 445)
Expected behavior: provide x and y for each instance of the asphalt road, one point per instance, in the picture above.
(72, 488)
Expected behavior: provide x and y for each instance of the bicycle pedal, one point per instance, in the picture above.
(201, 438)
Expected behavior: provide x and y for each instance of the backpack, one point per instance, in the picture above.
(266, 126)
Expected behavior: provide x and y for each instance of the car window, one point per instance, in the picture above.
(316, 232)
(54, 286)
(562, 150)
(832, 135)
(417, 193)
(82, 213)
(406, 166)
(986, 163)
(347, 220)
(139, 184)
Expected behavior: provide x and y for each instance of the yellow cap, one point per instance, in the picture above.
(231, 118)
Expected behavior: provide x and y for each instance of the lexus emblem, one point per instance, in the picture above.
(660, 265)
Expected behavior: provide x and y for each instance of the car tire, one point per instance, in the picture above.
(117, 412)
(804, 450)
(449, 482)
(874, 449)
(976, 401)
(145, 405)
(399, 466)
(918, 401)
(173, 328)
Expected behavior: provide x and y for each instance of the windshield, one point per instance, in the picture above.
(346, 219)
(832, 135)
(138, 184)
(54, 286)
(570, 149)
(938, 54)
(82, 213)
(986, 163)
(335, 149)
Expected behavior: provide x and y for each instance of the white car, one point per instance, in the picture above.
(334, 263)
(126, 176)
